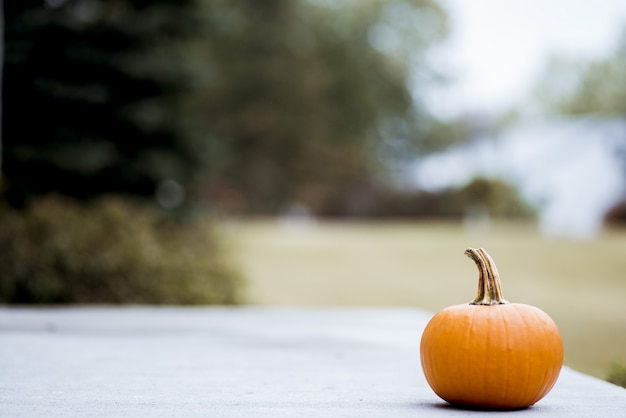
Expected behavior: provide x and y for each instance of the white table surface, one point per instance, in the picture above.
(239, 362)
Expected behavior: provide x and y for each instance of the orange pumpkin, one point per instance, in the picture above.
(490, 353)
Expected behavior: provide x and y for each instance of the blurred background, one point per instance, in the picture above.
(318, 152)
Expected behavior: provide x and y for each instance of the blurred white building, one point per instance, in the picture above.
(572, 170)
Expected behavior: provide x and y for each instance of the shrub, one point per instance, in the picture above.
(497, 197)
(617, 374)
(109, 251)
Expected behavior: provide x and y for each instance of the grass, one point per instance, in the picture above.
(580, 284)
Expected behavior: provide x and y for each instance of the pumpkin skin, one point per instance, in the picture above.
(490, 353)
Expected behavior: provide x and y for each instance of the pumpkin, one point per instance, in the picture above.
(490, 353)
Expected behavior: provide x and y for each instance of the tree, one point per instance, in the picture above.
(1, 69)
(595, 88)
(94, 93)
(308, 99)
(586, 87)
(265, 103)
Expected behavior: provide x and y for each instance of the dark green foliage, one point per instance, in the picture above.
(59, 251)
(93, 97)
(617, 374)
(246, 103)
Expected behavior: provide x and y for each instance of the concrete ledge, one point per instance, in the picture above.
(239, 362)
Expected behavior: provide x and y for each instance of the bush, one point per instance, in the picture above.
(108, 251)
(617, 374)
(498, 198)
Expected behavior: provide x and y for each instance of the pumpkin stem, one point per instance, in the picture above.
(489, 286)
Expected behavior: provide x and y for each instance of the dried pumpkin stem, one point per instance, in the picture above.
(489, 286)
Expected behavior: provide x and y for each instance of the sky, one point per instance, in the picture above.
(497, 48)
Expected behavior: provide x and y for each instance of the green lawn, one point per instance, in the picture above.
(580, 284)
